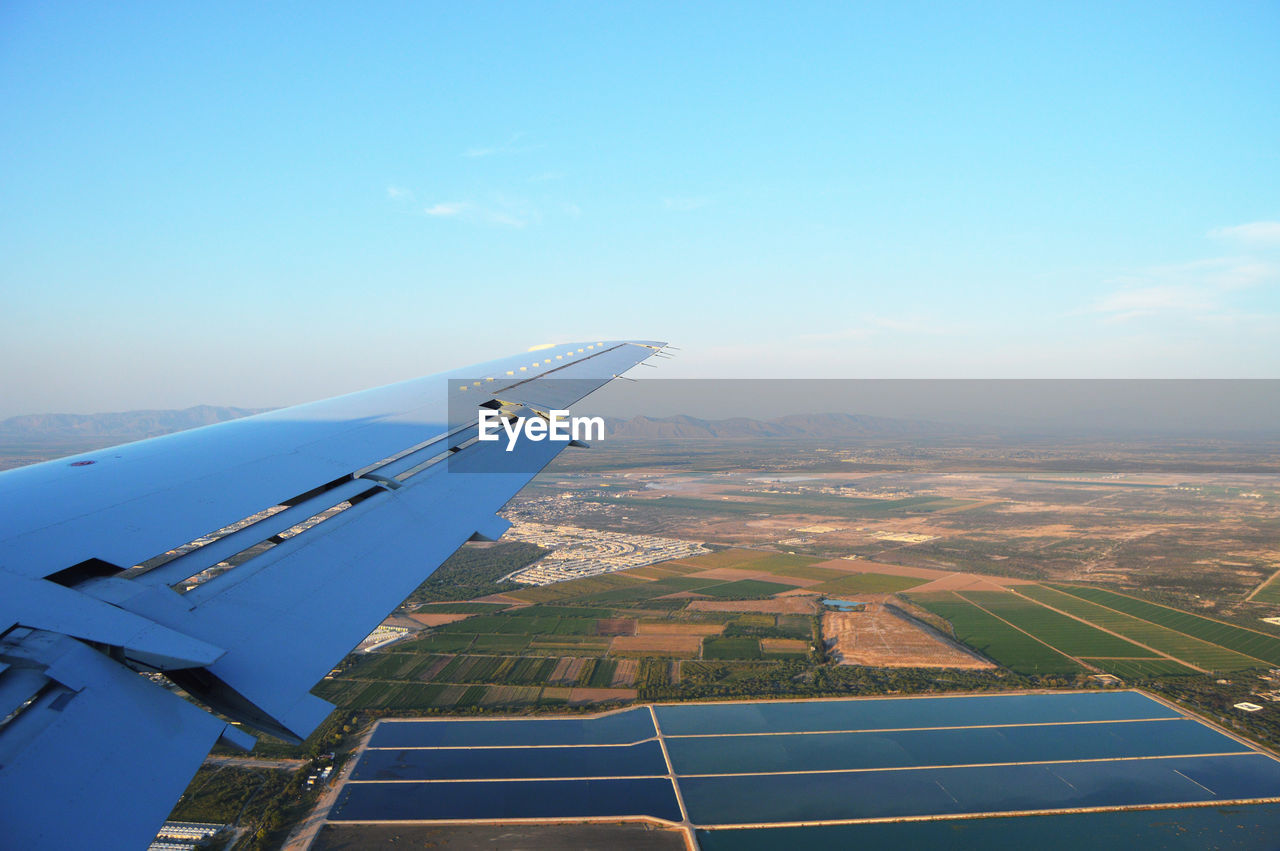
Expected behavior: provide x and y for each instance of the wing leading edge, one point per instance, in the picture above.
(330, 514)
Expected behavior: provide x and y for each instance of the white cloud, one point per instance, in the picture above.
(1135, 302)
(1259, 234)
(503, 213)
(447, 208)
(1213, 289)
(397, 192)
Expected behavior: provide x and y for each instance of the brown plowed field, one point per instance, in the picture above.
(616, 626)
(625, 674)
(786, 605)
(784, 645)
(436, 667)
(676, 628)
(882, 637)
(971, 582)
(681, 644)
(568, 669)
(596, 695)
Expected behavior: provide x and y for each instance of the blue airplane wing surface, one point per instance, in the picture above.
(243, 560)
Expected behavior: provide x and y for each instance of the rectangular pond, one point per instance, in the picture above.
(967, 746)
(899, 713)
(619, 728)
(765, 798)
(506, 799)
(511, 763)
(1242, 828)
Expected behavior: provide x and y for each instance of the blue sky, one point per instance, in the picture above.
(268, 203)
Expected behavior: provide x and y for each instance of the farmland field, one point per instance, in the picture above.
(996, 639)
(731, 648)
(866, 583)
(1182, 647)
(1246, 641)
(1064, 633)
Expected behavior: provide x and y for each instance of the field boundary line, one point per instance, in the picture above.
(1079, 662)
(1263, 584)
(1234, 802)
(1250, 752)
(490, 822)
(517, 747)
(691, 838)
(909, 729)
(437, 780)
(1193, 614)
(1159, 653)
(1261, 662)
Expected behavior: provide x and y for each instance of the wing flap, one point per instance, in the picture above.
(99, 762)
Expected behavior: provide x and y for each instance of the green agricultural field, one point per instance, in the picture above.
(745, 559)
(1182, 647)
(601, 675)
(521, 625)
(553, 611)
(867, 583)
(795, 626)
(575, 588)
(570, 645)
(744, 589)
(1066, 634)
(1245, 641)
(677, 567)
(408, 696)
(995, 638)
(781, 563)
(731, 648)
(439, 642)
(530, 670)
(386, 666)
(657, 588)
(1141, 668)
(500, 643)
(1269, 591)
(810, 572)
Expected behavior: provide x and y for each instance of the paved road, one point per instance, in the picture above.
(305, 833)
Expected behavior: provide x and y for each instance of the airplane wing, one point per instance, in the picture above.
(242, 560)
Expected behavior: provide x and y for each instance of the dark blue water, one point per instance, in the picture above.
(511, 763)
(887, 713)
(827, 751)
(990, 789)
(1240, 828)
(621, 728)
(506, 799)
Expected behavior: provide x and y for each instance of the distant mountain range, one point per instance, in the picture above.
(132, 425)
(812, 426)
